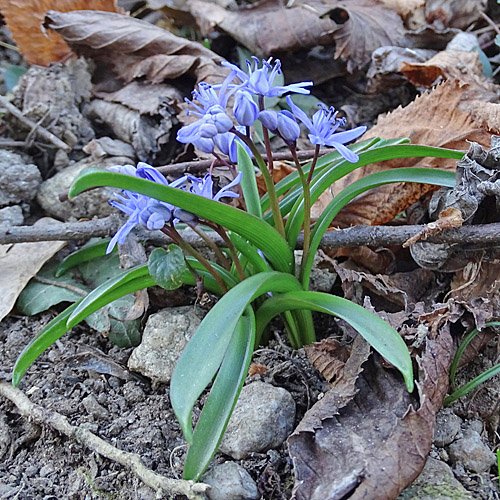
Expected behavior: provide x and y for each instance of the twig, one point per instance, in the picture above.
(200, 165)
(373, 236)
(490, 22)
(49, 136)
(43, 416)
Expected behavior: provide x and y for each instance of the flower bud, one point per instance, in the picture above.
(245, 109)
(287, 127)
(269, 119)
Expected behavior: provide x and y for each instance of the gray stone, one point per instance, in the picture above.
(436, 482)
(321, 279)
(85, 205)
(11, 216)
(93, 407)
(262, 419)
(472, 452)
(447, 427)
(230, 481)
(19, 181)
(166, 334)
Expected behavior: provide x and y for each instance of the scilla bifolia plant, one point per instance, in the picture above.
(255, 275)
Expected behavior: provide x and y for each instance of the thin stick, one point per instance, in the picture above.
(373, 236)
(49, 136)
(43, 416)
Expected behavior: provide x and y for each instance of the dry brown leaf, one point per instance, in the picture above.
(135, 48)
(433, 119)
(464, 67)
(280, 170)
(24, 19)
(365, 26)
(454, 13)
(411, 11)
(268, 26)
(20, 262)
(374, 445)
(328, 356)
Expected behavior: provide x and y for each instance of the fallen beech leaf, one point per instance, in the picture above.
(365, 26)
(24, 18)
(434, 119)
(376, 444)
(135, 48)
(411, 11)
(257, 369)
(268, 26)
(20, 262)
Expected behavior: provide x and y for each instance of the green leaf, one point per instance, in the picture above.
(412, 174)
(222, 399)
(329, 176)
(37, 296)
(248, 182)
(53, 331)
(167, 268)
(88, 252)
(381, 336)
(259, 233)
(204, 353)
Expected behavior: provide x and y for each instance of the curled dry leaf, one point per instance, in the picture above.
(464, 67)
(434, 119)
(24, 19)
(411, 11)
(375, 444)
(135, 48)
(451, 217)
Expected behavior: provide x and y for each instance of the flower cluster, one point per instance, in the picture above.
(215, 128)
(153, 214)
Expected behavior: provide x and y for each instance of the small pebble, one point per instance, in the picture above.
(230, 481)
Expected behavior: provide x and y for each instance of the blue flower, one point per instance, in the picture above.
(141, 210)
(205, 187)
(245, 109)
(259, 80)
(228, 142)
(322, 129)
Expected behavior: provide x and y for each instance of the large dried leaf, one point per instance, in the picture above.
(328, 356)
(434, 119)
(376, 444)
(20, 262)
(24, 19)
(269, 26)
(366, 26)
(135, 48)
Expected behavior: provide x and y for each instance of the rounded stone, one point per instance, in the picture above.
(472, 452)
(262, 419)
(230, 481)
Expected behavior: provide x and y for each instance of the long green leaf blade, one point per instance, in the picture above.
(420, 175)
(381, 336)
(222, 399)
(206, 350)
(84, 254)
(259, 233)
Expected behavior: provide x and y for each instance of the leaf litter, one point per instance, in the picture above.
(366, 437)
